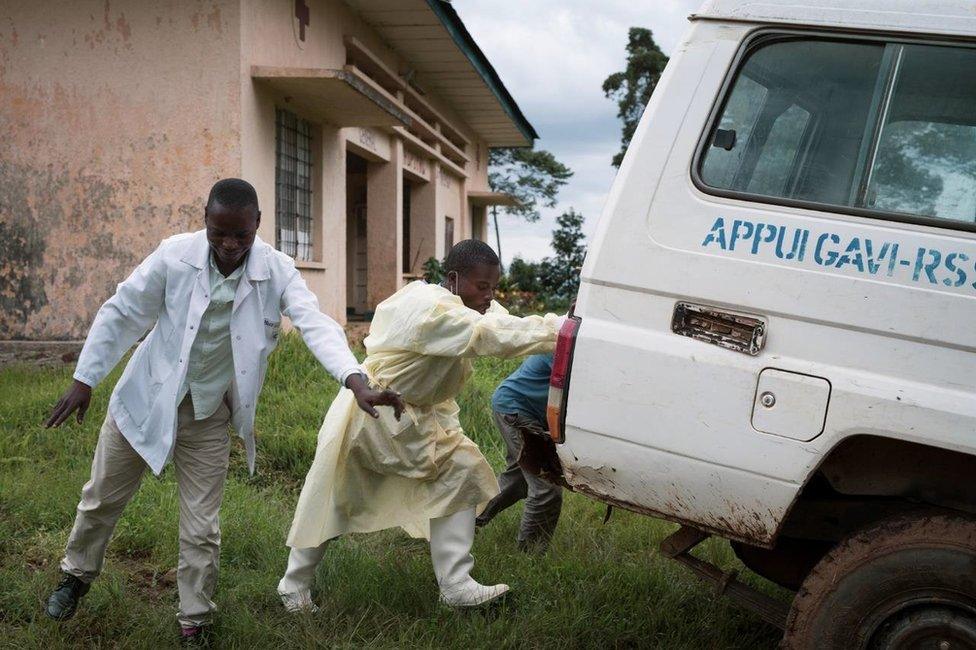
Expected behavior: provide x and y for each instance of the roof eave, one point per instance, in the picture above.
(463, 39)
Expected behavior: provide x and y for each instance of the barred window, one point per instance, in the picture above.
(293, 185)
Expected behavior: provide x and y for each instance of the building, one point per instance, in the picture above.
(364, 125)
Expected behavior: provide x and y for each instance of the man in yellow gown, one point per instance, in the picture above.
(415, 469)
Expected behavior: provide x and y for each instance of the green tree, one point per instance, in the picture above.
(433, 270)
(914, 162)
(561, 272)
(632, 87)
(534, 177)
(525, 276)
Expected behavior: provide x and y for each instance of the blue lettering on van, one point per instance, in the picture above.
(716, 234)
(824, 254)
(953, 267)
(869, 257)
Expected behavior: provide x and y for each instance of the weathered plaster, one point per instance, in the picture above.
(384, 226)
(111, 132)
(117, 116)
(423, 231)
(269, 38)
(449, 192)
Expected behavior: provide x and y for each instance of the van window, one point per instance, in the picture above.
(744, 105)
(772, 172)
(867, 125)
(926, 160)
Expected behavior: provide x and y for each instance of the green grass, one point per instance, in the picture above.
(599, 585)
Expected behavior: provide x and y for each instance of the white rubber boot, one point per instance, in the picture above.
(451, 538)
(295, 587)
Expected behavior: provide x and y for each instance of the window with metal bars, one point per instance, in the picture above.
(293, 185)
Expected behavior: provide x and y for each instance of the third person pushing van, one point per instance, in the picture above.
(519, 408)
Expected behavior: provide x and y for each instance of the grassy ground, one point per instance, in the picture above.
(599, 585)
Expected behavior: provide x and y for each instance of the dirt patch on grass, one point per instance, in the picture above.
(36, 564)
(356, 332)
(53, 354)
(152, 584)
(42, 354)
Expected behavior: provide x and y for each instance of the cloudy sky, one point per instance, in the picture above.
(553, 56)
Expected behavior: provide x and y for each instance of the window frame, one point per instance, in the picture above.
(766, 36)
(313, 178)
(449, 242)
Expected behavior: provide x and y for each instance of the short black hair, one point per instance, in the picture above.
(233, 193)
(469, 253)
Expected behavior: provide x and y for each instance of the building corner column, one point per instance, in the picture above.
(384, 226)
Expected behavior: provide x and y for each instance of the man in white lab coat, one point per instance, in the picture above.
(214, 299)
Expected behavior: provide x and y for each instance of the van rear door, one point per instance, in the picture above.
(819, 186)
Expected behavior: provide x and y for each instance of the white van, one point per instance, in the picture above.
(775, 337)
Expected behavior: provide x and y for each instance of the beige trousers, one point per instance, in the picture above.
(200, 459)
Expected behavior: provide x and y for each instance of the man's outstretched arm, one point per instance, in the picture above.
(75, 400)
(367, 398)
(327, 341)
(453, 330)
(119, 323)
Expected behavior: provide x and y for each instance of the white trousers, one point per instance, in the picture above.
(200, 459)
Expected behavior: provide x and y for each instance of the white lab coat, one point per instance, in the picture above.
(170, 289)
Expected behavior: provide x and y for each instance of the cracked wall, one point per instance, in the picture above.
(115, 120)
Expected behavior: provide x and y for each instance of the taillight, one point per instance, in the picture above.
(559, 380)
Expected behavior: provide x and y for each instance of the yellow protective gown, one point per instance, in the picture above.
(371, 474)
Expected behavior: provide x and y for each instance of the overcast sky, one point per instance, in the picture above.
(553, 56)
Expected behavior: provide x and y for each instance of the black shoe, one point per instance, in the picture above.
(63, 602)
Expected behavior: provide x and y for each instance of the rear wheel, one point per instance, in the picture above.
(905, 583)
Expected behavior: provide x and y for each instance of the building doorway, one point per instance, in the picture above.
(357, 264)
(407, 265)
(448, 234)
(477, 213)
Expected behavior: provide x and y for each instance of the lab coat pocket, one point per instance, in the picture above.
(138, 390)
(159, 359)
(165, 328)
(272, 329)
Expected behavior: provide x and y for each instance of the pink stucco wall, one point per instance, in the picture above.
(115, 119)
(116, 116)
(270, 38)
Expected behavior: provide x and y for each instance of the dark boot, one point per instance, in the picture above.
(63, 602)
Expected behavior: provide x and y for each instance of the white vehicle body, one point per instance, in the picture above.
(868, 332)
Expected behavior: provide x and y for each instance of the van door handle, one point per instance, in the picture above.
(739, 332)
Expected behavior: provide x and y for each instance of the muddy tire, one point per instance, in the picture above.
(907, 582)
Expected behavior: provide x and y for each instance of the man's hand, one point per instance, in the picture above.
(78, 397)
(367, 398)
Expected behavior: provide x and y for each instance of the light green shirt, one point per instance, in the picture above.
(211, 367)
